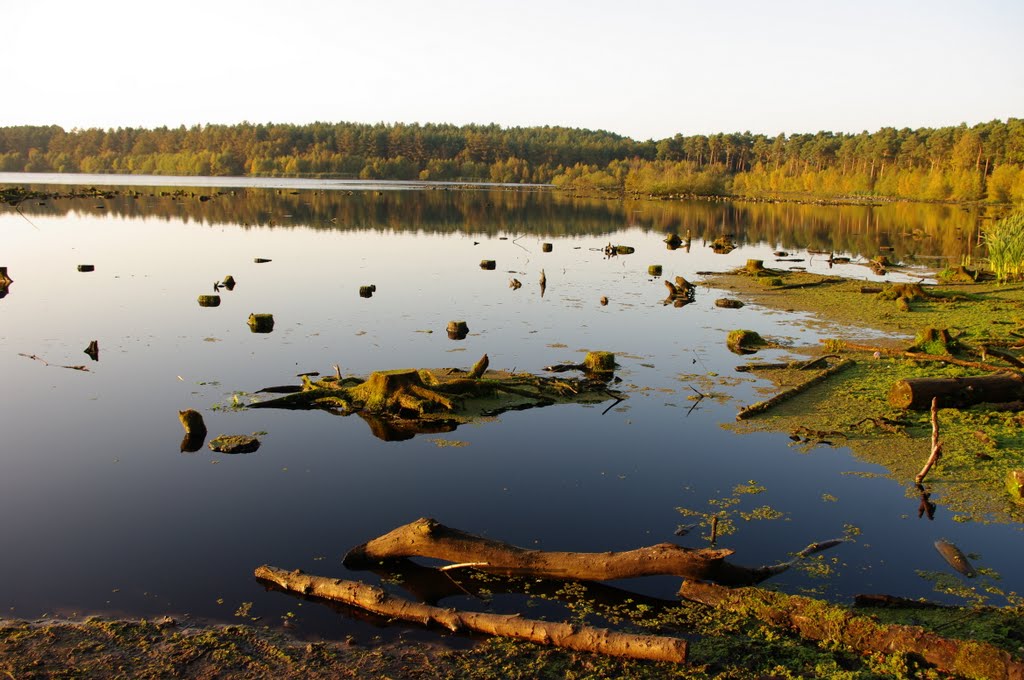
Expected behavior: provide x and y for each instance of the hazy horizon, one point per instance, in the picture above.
(647, 72)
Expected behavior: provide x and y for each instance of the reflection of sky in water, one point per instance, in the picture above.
(98, 498)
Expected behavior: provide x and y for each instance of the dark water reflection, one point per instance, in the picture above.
(102, 511)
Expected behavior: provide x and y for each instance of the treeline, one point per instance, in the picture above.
(961, 163)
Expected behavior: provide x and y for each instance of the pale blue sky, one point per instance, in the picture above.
(646, 68)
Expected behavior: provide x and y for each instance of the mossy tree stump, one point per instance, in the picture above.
(261, 323)
(209, 301)
(399, 390)
(488, 264)
(195, 430)
(654, 270)
(744, 341)
(754, 267)
(599, 362)
(546, 247)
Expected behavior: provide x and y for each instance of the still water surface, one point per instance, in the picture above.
(103, 514)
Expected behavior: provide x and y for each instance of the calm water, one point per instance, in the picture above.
(103, 514)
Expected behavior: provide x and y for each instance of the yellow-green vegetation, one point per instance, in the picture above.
(980, 445)
(949, 163)
(1005, 241)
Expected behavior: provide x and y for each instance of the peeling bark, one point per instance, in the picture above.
(582, 638)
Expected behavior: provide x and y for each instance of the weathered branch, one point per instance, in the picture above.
(582, 638)
(428, 538)
(817, 620)
(921, 356)
(936, 444)
(763, 406)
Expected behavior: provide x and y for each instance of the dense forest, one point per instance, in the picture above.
(981, 162)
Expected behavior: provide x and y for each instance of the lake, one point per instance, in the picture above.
(102, 513)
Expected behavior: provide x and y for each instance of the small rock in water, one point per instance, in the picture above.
(234, 443)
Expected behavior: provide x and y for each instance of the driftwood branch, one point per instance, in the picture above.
(582, 638)
(816, 620)
(921, 356)
(936, 444)
(39, 358)
(763, 406)
(428, 538)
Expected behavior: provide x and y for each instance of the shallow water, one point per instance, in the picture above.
(102, 513)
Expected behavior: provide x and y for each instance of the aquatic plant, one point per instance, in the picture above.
(1005, 241)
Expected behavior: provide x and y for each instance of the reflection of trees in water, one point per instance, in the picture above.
(912, 229)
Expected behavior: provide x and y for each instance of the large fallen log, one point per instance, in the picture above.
(817, 620)
(582, 638)
(428, 538)
(917, 393)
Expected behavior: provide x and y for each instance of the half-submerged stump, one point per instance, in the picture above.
(457, 330)
(5, 280)
(261, 323)
(654, 270)
(755, 267)
(367, 291)
(673, 241)
(680, 293)
(546, 247)
(195, 430)
(599, 362)
(93, 350)
(723, 245)
(209, 301)
(86, 267)
(401, 403)
(228, 282)
(397, 391)
(488, 264)
(728, 303)
(744, 341)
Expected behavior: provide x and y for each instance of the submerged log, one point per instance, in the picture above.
(488, 264)
(917, 393)
(195, 430)
(569, 636)
(763, 406)
(428, 538)
(817, 620)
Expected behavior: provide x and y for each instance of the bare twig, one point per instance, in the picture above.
(936, 444)
(38, 358)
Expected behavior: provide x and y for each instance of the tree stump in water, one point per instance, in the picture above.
(195, 430)
(399, 390)
(261, 323)
(754, 267)
(86, 267)
(209, 301)
(457, 330)
(488, 264)
(654, 270)
(599, 362)
(546, 247)
(5, 280)
(366, 291)
(744, 342)
(229, 282)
